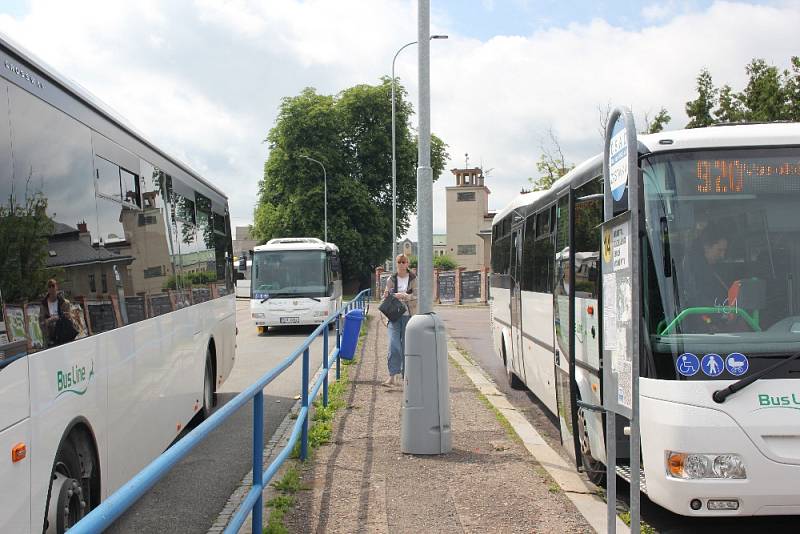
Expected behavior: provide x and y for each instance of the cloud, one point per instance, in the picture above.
(203, 79)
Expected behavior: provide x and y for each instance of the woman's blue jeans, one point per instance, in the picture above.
(397, 344)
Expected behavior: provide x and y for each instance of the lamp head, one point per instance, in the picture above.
(439, 37)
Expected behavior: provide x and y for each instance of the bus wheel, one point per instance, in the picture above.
(209, 393)
(594, 469)
(68, 503)
(513, 380)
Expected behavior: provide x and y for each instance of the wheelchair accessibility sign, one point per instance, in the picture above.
(687, 364)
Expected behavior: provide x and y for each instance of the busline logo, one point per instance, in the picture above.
(74, 380)
(782, 401)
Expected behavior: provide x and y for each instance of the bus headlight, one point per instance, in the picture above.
(258, 316)
(691, 466)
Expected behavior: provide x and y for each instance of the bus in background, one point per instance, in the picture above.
(117, 294)
(720, 257)
(295, 281)
(244, 267)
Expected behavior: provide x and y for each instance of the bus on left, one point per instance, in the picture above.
(118, 311)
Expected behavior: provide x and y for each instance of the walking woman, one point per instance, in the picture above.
(403, 284)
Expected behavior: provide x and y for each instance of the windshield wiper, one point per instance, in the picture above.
(720, 395)
(288, 295)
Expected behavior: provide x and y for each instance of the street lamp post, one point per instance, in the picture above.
(394, 160)
(325, 178)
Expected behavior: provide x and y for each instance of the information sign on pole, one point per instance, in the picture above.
(620, 298)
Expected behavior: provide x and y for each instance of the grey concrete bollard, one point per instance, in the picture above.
(425, 416)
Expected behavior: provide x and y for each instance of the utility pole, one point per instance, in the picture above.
(424, 170)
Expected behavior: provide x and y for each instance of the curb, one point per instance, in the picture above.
(582, 494)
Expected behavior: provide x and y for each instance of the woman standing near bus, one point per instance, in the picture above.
(403, 285)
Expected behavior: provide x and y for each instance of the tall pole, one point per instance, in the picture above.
(424, 171)
(394, 166)
(325, 180)
(394, 156)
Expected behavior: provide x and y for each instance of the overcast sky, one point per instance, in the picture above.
(203, 79)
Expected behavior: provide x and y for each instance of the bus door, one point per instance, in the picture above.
(563, 302)
(515, 298)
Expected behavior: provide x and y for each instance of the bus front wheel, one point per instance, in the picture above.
(594, 469)
(71, 485)
(209, 389)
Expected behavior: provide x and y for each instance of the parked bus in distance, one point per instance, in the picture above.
(295, 281)
(244, 267)
(116, 289)
(720, 261)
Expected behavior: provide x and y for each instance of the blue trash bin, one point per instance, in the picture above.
(352, 326)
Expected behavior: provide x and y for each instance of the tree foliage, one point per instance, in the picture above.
(551, 165)
(444, 263)
(770, 95)
(350, 133)
(24, 229)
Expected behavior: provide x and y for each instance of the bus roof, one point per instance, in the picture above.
(81, 93)
(296, 243)
(710, 137)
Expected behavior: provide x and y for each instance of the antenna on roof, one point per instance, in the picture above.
(466, 160)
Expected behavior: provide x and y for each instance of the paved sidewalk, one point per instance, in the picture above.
(362, 483)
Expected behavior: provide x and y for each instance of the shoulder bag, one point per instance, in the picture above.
(392, 308)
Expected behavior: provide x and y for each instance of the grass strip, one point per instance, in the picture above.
(319, 433)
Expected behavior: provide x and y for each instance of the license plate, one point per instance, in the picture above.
(289, 320)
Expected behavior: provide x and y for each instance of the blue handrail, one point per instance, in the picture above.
(116, 504)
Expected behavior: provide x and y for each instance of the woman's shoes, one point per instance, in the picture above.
(394, 380)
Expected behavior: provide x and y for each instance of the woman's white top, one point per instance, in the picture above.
(402, 284)
(52, 306)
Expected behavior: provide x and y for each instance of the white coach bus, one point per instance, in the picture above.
(135, 249)
(720, 264)
(295, 281)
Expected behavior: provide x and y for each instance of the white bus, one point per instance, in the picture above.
(720, 261)
(295, 281)
(140, 250)
(243, 271)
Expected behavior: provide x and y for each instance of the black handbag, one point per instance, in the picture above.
(64, 331)
(392, 308)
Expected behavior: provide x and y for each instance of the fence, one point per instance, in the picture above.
(115, 505)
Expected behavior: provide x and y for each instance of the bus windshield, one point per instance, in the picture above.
(721, 262)
(290, 273)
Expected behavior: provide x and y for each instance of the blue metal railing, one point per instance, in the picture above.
(115, 505)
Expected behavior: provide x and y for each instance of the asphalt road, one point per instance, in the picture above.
(469, 328)
(190, 497)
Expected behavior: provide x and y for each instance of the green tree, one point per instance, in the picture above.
(770, 95)
(661, 119)
(551, 165)
(24, 230)
(699, 110)
(792, 90)
(730, 108)
(350, 133)
(444, 263)
(763, 98)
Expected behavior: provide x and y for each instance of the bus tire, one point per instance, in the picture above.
(513, 380)
(209, 387)
(69, 497)
(594, 469)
